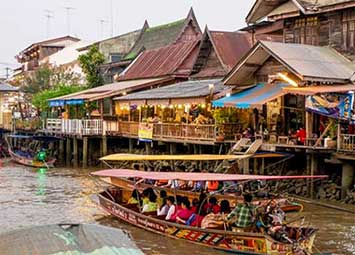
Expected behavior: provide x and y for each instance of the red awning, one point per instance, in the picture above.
(126, 173)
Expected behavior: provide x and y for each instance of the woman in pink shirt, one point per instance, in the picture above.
(185, 213)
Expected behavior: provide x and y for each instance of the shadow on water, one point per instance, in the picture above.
(31, 197)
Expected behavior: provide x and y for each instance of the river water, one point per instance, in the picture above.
(31, 197)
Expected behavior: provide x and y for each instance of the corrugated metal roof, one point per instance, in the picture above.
(312, 90)
(4, 87)
(112, 89)
(312, 61)
(162, 62)
(231, 46)
(321, 3)
(187, 89)
(308, 63)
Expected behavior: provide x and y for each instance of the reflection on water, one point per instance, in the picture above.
(39, 196)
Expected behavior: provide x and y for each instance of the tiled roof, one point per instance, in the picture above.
(175, 59)
(156, 37)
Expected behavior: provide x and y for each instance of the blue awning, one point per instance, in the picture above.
(60, 103)
(253, 97)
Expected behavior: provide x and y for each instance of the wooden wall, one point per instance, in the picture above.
(336, 29)
(271, 66)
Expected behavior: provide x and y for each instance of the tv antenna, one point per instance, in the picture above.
(68, 10)
(102, 23)
(49, 15)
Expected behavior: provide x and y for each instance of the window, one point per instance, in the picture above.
(306, 31)
(349, 30)
(107, 106)
(115, 57)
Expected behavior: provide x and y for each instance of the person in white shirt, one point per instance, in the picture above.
(170, 202)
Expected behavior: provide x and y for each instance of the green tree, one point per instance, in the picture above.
(90, 63)
(40, 99)
(40, 81)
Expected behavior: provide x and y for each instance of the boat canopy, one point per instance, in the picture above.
(194, 157)
(187, 176)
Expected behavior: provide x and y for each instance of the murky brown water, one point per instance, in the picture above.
(35, 197)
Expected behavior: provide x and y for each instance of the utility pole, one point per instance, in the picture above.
(68, 10)
(7, 72)
(49, 15)
(111, 14)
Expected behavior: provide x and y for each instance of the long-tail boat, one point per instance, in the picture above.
(299, 240)
(31, 160)
(126, 184)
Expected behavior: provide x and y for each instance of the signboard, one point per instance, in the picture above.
(337, 106)
(145, 132)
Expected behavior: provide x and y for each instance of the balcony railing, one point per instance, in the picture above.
(347, 143)
(74, 127)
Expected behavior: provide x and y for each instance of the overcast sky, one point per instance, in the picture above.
(23, 22)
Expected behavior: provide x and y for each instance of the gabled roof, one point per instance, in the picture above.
(4, 87)
(229, 48)
(308, 63)
(173, 60)
(133, 35)
(56, 42)
(266, 8)
(159, 36)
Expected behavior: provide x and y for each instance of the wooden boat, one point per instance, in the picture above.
(229, 241)
(129, 185)
(31, 162)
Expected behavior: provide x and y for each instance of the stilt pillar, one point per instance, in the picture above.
(130, 145)
(148, 148)
(75, 152)
(104, 146)
(68, 152)
(61, 151)
(85, 151)
(347, 178)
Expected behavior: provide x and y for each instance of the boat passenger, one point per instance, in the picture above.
(135, 198)
(145, 195)
(216, 220)
(152, 205)
(163, 209)
(212, 206)
(244, 212)
(160, 183)
(212, 186)
(178, 208)
(170, 200)
(185, 213)
(162, 196)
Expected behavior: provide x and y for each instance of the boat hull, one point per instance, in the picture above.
(128, 185)
(234, 242)
(30, 161)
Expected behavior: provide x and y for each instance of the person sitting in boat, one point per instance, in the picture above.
(152, 205)
(178, 208)
(244, 213)
(216, 220)
(170, 200)
(212, 206)
(42, 155)
(163, 183)
(185, 213)
(135, 198)
(163, 209)
(212, 186)
(146, 194)
(162, 196)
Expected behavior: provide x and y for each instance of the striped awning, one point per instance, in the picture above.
(253, 97)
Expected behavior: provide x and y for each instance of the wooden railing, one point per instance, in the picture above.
(347, 143)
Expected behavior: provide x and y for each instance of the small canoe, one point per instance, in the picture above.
(228, 241)
(128, 185)
(31, 162)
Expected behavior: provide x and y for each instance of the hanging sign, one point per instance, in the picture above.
(337, 106)
(145, 132)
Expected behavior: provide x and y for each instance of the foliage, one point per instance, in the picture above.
(46, 77)
(90, 63)
(40, 99)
